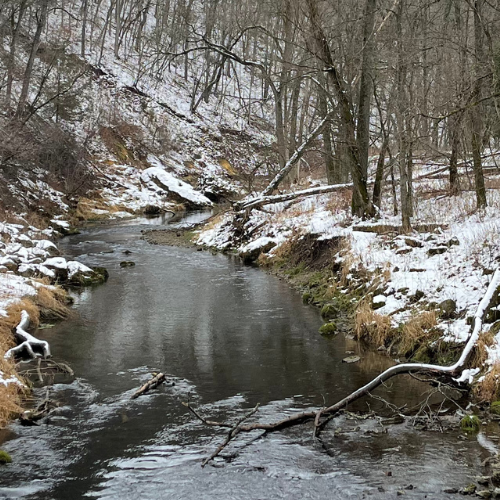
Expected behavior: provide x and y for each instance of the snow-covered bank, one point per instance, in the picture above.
(443, 269)
(31, 275)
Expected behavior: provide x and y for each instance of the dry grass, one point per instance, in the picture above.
(340, 201)
(488, 389)
(480, 352)
(52, 303)
(349, 260)
(10, 395)
(86, 207)
(417, 330)
(48, 301)
(370, 326)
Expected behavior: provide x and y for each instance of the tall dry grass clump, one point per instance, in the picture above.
(488, 389)
(480, 351)
(52, 303)
(11, 394)
(417, 330)
(370, 326)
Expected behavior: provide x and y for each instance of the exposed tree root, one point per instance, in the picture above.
(30, 346)
(323, 416)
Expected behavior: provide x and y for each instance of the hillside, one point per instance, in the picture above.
(351, 148)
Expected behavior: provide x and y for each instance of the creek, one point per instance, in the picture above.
(229, 336)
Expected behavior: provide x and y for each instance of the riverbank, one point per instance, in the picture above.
(410, 295)
(33, 279)
(230, 336)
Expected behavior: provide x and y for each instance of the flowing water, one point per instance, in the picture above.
(228, 337)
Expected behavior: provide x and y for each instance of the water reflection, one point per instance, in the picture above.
(231, 336)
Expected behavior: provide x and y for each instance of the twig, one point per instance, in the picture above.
(231, 435)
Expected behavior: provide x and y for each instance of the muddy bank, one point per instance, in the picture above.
(170, 237)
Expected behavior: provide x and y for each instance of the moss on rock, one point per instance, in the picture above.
(5, 458)
(495, 407)
(328, 329)
(96, 277)
(306, 297)
(329, 311)
(470, 423)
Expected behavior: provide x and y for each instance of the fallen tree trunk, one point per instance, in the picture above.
(29, 343)
(266, 200)
(150, 384)
(332, 410)
(296, 156)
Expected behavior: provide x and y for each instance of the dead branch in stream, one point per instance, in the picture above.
(323, 416)
(235, 430)
(150, 384)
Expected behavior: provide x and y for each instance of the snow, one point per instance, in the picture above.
(468, 375)
(171, 183)
(9, 380)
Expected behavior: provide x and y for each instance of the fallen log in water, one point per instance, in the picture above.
(150, 384)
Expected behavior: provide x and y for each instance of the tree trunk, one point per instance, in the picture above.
(361, 205)
(402, 123)
(41, 19)
(365, 87)
(477, 110)
(12, 52)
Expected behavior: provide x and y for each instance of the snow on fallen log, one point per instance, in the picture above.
(30, 343)
(277, 198)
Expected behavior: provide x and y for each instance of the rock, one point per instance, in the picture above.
(453, 241)
(447, 309)
(413, 242)
(329, 311)
(450, 491)
(484, 480)
(5, 458)
(96, 277)
(484, 494)
(351, 359)
(496, 493)
(127, 263)
(251, 256)
(436, 251)
(151, 210)
(127, 252)
(378, 302)
(468, 490)
(418, 295)
(404, 250)
(495, 477)
(328, 329)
